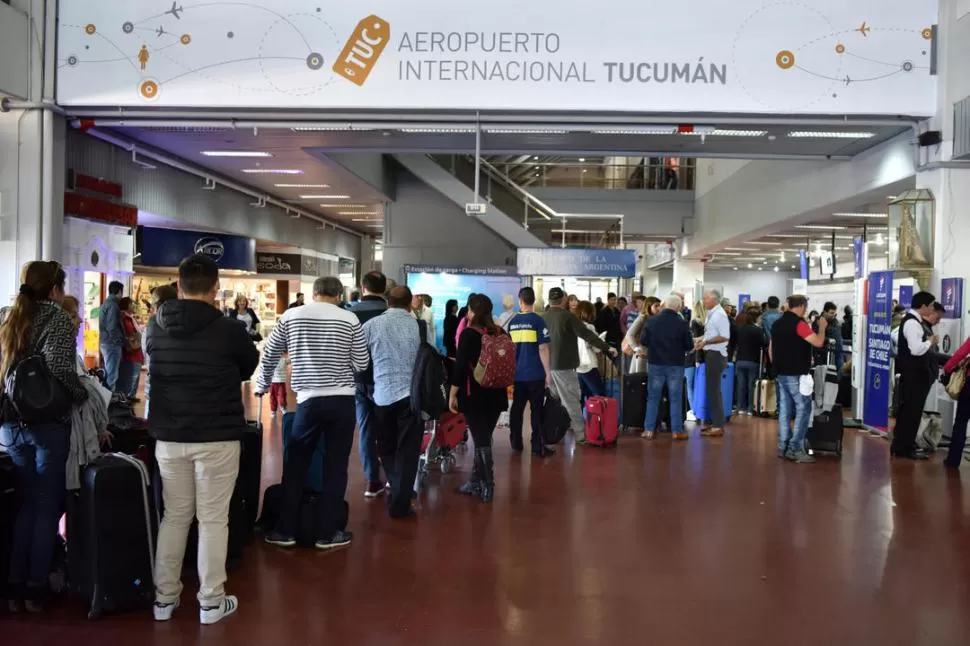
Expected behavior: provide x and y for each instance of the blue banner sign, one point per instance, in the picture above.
(803, 264)
(878, 350)
(581, 263)
(461, 271)
(952, 302)
(906, 296)
(168, 247)
(858, 254)
(742, 299)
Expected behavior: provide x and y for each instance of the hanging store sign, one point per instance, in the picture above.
(748, 56)
(952, 297)
(878, 350)
(168, 247)
(279, 263)
(581, 263)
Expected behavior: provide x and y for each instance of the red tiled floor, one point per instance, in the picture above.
(707, 542)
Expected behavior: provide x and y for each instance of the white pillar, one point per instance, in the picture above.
(688, 278)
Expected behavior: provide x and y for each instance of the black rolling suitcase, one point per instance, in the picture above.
(634, 403)
(111, 536)
(826, 433)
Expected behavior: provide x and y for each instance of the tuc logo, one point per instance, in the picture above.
(211, 247)
(363, 49)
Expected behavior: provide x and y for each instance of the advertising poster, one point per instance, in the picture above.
(803, 264)
(906, 296)
(878, 350)
(952, 297)
(742, 299)
(858, 257)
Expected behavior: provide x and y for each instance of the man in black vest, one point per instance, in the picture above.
(914, 364)
(790, 351)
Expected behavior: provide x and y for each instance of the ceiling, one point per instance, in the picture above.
(330, 191)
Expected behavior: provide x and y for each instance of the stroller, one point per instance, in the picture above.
(443, 439)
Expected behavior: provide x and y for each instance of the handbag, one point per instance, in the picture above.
(958, 378)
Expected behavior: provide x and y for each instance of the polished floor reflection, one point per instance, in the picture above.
(704, 542)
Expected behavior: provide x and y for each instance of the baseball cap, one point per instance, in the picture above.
(556, 294)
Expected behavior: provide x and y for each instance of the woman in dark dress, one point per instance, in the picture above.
(481, 406)
(451, 328)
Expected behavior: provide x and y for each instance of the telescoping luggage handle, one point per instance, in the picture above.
(145, 484)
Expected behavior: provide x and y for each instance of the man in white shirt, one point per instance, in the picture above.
(914, 366)
(714, 344)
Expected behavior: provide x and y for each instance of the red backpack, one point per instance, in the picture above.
(496, 364)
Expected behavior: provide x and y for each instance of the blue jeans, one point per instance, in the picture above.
(746, 372)
(367, 446)
(40, 455)
(128, 377)
(590, 385)
(332, 419)
(689, 374)
(112, 363)
(789, 438)
(657, 378)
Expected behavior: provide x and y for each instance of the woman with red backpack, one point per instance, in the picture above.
(485, 368)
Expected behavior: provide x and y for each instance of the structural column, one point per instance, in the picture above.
(688, 278)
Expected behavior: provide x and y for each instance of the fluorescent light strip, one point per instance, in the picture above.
(302, 185)
(366, 220)
(324, 197)
(235, 153)
(825, 134)
(272, 171)
(344, 127)
(646, 130)
(358, 213)
(727, 253)
(878, 216)
(438, 131)
(347, 206)
(821, 227)
(763, 243)
(717, 132)
(524, 131)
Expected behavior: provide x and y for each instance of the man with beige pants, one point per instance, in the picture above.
(199, 358)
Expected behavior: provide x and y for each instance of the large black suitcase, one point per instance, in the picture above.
(309, 513)
(111, 536)
(826, 433)
(634, 404)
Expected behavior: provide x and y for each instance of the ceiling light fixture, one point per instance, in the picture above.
(335, 127)
(235, 153)
(366, 220)
(302, 185)
(324, 197)
(582, 160)
(717, 132)
(727, 253)
(272, 171)
(827, 134)
(777, 269)
(642, 130)
(358, 213)
(524, 131)
(750, 265)
(438, 131)
(880, 216)
(821, 227)
(768, 244)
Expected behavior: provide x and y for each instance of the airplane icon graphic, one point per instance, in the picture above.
(176, 10)
(160, 31)
(864, 30)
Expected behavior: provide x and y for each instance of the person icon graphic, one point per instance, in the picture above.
(143, 56)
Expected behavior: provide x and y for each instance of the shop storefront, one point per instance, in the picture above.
(292, 270)
(98, 247)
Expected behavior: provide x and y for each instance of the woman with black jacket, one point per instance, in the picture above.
(36, 324)
(451, 328)
(244, 313)
(481, 406)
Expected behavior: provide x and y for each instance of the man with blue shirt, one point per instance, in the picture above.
(714, 344)
(393, 341)
(532, 373)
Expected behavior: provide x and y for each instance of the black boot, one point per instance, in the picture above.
(474, 485)
(488, 474)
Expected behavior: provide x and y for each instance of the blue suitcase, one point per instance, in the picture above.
(700, 392)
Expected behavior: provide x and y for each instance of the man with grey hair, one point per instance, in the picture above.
(326, 347)
(667, 340)
(714, 345)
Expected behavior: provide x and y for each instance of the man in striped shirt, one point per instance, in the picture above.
(326, 347)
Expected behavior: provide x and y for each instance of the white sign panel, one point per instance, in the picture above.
(752, 56)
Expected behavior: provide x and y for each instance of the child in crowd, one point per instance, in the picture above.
(277, 390)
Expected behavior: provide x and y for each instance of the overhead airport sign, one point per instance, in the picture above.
(749, 56)
(580, 263)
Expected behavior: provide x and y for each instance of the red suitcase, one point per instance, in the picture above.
(602, 415)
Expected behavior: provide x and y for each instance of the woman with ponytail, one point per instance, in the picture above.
(36, 325)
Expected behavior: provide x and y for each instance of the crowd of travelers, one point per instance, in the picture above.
(355, 366)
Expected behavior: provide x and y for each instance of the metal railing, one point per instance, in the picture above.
(649, 174)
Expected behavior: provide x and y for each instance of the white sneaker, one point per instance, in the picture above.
(691, 417)
(164, 611)
(213, 614)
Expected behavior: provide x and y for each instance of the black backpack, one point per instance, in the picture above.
(555, 419)
(35, 395)
(428, 383)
